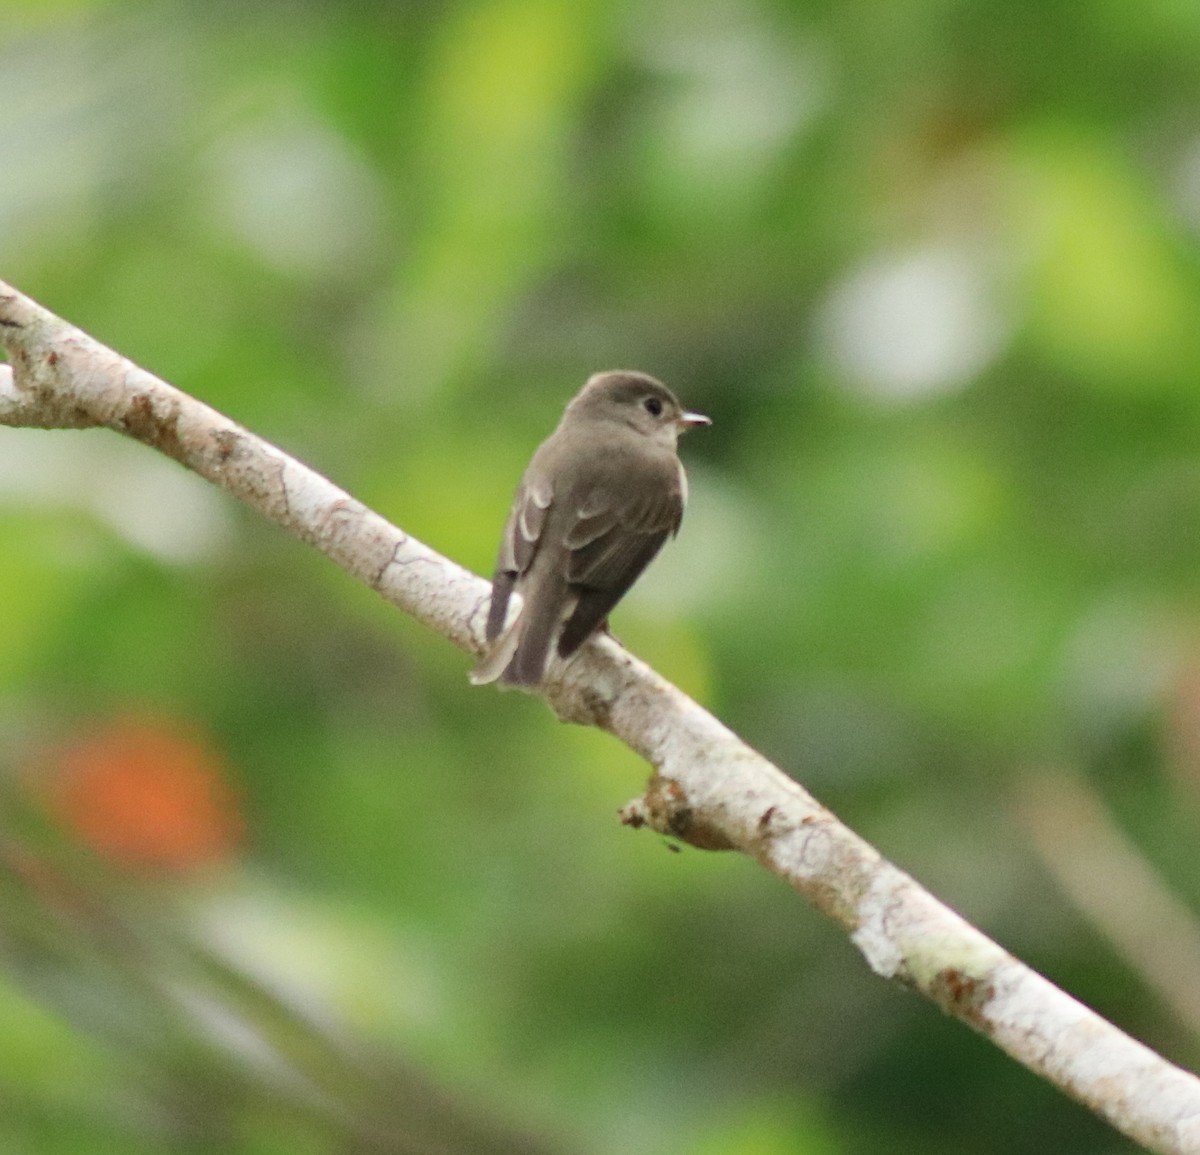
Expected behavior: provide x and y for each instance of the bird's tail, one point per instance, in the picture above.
(521, 654)
(494, 663)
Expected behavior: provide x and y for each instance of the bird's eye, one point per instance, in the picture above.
(653, 406)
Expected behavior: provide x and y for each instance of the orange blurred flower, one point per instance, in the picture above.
(147, 797)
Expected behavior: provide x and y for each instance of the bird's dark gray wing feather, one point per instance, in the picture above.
(502, 587)
(609, 548)
(526, 520)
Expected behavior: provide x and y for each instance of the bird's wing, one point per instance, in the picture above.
(613, 538)
(522, 531)
(525, 525)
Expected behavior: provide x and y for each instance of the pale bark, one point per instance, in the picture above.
(708, 788)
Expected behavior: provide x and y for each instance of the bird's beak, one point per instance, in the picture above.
(691, 420)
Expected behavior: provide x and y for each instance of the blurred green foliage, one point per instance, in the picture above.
(933, 270)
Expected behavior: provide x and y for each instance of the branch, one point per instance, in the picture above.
(708, 788)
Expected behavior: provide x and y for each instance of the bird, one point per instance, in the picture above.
(597, 501)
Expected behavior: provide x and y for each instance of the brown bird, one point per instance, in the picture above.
(598, 499)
